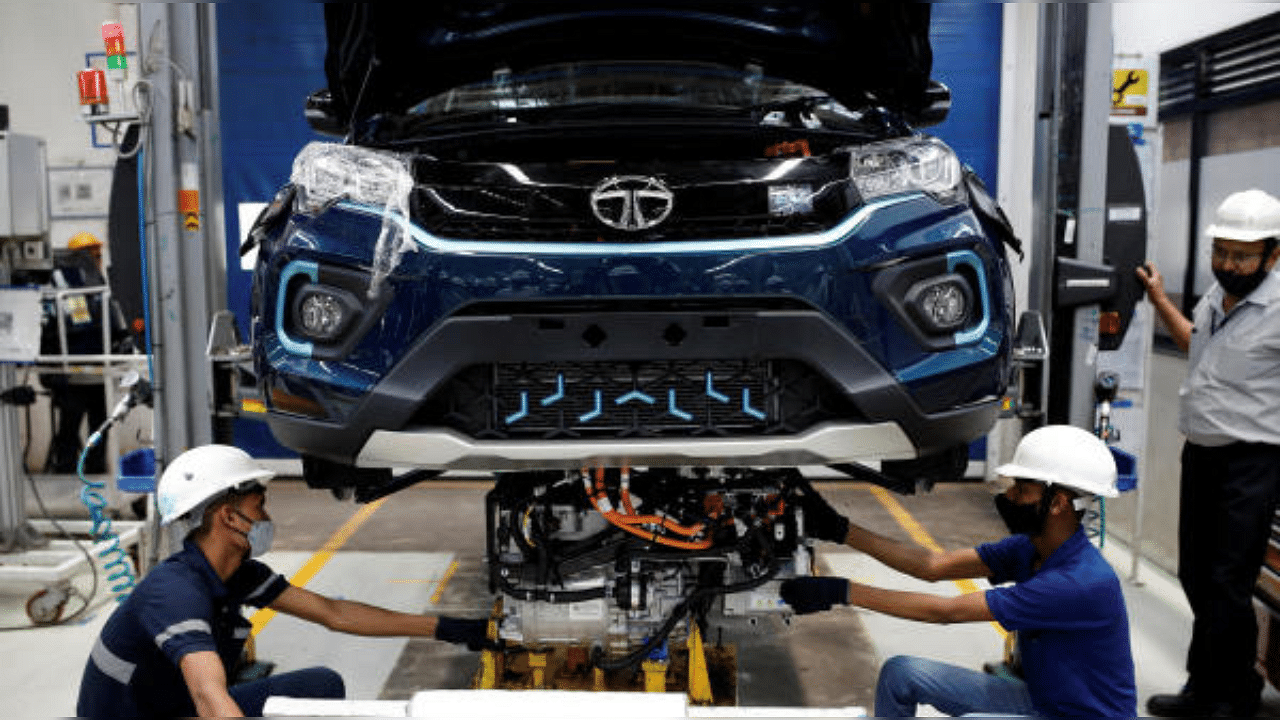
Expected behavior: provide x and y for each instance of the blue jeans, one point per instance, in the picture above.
(316, 683)
(906, 682)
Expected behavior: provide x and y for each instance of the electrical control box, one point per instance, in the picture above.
(24, 202)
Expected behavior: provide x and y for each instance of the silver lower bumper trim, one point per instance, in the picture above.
(447, 450)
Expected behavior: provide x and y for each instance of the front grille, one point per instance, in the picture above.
(634, 399)
(468, 203)
(585, 231)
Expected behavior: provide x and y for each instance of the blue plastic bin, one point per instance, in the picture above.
(137, 471)
(1126, 469)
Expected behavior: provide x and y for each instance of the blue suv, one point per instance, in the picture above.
(564, 235)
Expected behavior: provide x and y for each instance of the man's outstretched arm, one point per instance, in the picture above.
(924, 607)
(824, 523)
(357, 618)
(815, 594)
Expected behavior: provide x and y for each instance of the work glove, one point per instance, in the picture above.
(463, 631)
(814, 594)
(821, 521)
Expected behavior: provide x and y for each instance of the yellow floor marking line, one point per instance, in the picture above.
(922, 538)
(320, 559)
(435, 596)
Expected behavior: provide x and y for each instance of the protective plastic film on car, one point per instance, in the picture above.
(328, 172)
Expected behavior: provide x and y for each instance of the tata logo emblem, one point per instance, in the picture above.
(631, 202)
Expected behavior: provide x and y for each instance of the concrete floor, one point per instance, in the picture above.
(422, 550)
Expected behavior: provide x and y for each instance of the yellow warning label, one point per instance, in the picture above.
(252, 406)
(189, 206)
(1129, 92)
(77, 309)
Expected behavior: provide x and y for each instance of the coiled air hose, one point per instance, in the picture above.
(120, 577)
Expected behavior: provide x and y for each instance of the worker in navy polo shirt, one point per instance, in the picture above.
(170, 647)
(1065, 602)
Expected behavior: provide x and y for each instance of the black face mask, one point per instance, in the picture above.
(1022, 519)
(1239, 286)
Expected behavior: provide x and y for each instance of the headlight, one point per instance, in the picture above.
(918, 164)
(326, 172)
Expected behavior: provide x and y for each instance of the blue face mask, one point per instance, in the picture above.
(261, 534)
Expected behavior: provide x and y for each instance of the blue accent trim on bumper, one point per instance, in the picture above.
(523, 411)
(633, 395)
(713, 393)
(672, 409)
(970, 258)
(746, 405)
(292, 270)
(550, 400)
(592, 415)
(831, 236)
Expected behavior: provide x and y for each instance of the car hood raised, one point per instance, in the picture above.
(387, 57)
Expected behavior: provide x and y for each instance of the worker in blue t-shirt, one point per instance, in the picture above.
(171, 648)
(1065, 604)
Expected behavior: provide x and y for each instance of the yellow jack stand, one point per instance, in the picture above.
(538, 665)
(707, 674)
(490, 660)
(655, 675)
(699, 680)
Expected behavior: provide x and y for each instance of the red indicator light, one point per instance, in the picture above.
(117, 62)
(113, 38)
(93, 87)
(1109, 323)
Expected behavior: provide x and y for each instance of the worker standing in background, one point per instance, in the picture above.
(1065, 604)
(77, 396)
(171, 646)
(1230, 415)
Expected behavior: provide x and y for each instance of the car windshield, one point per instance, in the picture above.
(681, 86)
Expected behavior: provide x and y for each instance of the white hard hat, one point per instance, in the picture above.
(202, 474)
(1247, 216)
(1064, 455)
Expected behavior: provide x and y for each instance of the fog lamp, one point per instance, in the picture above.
(323, 313)
(941, 304)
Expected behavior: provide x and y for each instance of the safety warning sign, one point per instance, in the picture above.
(1129, 91)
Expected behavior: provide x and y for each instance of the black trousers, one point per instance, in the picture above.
(75, 403)
(1228, 500)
